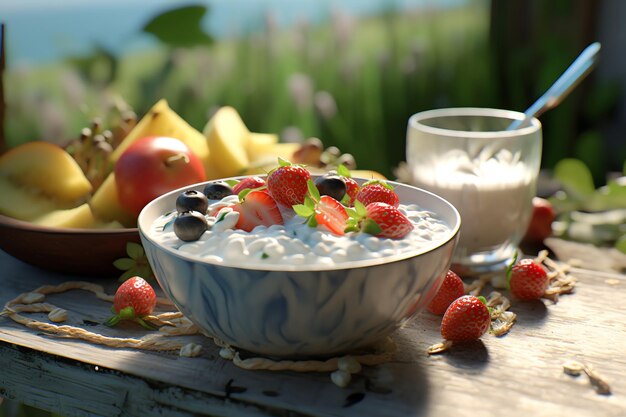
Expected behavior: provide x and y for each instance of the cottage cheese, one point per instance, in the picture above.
(295, 242)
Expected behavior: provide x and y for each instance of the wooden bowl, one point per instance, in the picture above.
(87, 252)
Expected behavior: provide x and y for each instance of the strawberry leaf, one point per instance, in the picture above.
(232, 183)
(313, 191)
(345, 200)
(343, 171)
(482, 299)
(509, 269)
(303, 210)
(283, 162)
(134, 250)
(145, 324)
(371, 227)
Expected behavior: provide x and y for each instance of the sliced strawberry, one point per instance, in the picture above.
(331, 214)
(392, 223)
(258, 208)
(378, 191)
(288, 184)
(248, 182)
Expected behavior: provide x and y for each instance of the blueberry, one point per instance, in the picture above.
(217, 190)
(192, 200)
(190, 225)
(331, 185)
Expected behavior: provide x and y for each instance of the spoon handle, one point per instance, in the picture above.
(573, 75)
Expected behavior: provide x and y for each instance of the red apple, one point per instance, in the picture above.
(540, 226)
(152, 166)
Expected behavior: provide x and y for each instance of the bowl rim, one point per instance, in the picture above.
(13, 223)
(364, 263)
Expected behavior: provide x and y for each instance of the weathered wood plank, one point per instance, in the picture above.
(519, 374)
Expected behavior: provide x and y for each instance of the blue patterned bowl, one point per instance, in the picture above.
(302, 310)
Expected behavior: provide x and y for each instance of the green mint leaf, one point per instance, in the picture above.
(264, 255)
(124, 264)
(134, 250)
(361, 211)
(127, 275)
(303, 210)
(575, 176)
(242, 195)
(309, 203)
(313, 191)
(371, 227)
(343, 171)
(222, 216)
(352, 213)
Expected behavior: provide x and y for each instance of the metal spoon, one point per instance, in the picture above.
(562, 86)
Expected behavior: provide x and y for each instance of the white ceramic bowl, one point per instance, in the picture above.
(302, 310)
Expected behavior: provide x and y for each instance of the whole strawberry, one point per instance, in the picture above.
(378, 191)
(287, 184)
(248, 182)
(133, 300)
(392, 223)
(451, 289)
(466, 319)
(528, 280)
(352, 189)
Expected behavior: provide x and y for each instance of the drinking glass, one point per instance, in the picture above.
(488, 173)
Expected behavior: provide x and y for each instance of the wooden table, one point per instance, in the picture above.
(519, 374)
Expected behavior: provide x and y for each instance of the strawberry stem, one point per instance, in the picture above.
(509, 269)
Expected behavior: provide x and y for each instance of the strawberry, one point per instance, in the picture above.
(322, 210)
(288, 183)
(451, 289)
(257, 208)
(540, 226)
(133, 300)
(331, 214)
(352, 189)
(391, 222)
(528, 280)
(377, 191)
(249, 182)
(466, 319)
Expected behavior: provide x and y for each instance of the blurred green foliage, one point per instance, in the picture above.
(352, 83)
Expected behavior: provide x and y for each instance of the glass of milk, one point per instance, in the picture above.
(489, 174)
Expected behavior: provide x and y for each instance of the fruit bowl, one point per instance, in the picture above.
(86, 252)
(302, 310)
